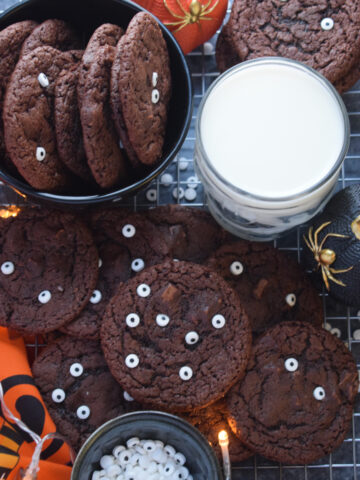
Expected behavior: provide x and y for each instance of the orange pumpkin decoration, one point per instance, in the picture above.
(192, 22)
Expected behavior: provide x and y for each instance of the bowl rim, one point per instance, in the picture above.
(169, 418)
(23, 189)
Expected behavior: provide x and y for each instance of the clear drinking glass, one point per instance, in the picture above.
(259, 198)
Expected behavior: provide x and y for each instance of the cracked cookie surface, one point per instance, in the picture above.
(78, 389)
(322, 34)
(29, 118)
(49, 268)
(176, 336)
(101, 142)
(141, 88)
(294, 404)
(127, 243)
(271, 286)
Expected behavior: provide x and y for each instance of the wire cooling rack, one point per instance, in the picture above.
(180, 185)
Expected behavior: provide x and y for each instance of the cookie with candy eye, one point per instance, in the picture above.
(141, 89)
(127, 243)
(272, 287)
(48, 270)
(210, 421)
(323, 35)
(294, 404)
(191, 233)
(176, 336)
(78, 389)
(28, 118)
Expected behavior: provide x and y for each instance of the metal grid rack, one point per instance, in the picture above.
(344, 463)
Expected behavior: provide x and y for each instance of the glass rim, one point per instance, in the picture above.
(273, 61)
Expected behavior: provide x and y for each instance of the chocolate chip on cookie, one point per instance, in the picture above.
(175, 336)
(271, 286)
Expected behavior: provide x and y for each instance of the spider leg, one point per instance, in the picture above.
(175, 15)
(182, 8)
(339, 282)
(310, 240)
(325, 274)
(338, 235)
(205, 12)
(332, 270)
(184, 24)
(180, 22)
(318, 230)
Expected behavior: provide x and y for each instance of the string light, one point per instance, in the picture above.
(224, 444)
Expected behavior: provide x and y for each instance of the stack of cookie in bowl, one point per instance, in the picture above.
(323, 35)
(164, 310)
(92, 118)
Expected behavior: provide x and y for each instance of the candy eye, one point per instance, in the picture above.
(76, 370)
(291, 364)
(191, 338)
(185, 373)
(236, 268)
(132, 320)
(58, 395)
(179, 458)
(128, 230)
(96, 296)
(143, 290)
(149, 446)
(43, 80)
(7, 268)
(162, 320)
(155, 95)
(327, 23)
(218, 321)
(83, 412)
(128, 397)
(40, 154)
(291, 299)
(137, 265)
(132, 360)
(319, 393)
(44, 296)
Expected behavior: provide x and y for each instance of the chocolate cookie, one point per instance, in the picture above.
(48, 270)
(68, 126)
(100, 139)
(191, 233)
(323, 35)
(53, 33)
(295, 402)
(345, 83)
(11, 41)
(176, 336)
(141, 89)
(106, 34)
(127, 243)
(271, 286)
(29, 120)
(78, 389)
(210, 421)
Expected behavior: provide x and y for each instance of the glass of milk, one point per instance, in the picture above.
(271, 137)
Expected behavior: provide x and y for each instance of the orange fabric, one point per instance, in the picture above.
(23, 399)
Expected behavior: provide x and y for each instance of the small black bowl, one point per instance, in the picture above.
(200, 458)
(86, 16)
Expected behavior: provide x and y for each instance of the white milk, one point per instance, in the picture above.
(272, 131)
(271, 136)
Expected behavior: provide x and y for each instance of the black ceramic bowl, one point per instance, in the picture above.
(86, 16)
(172, 430)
